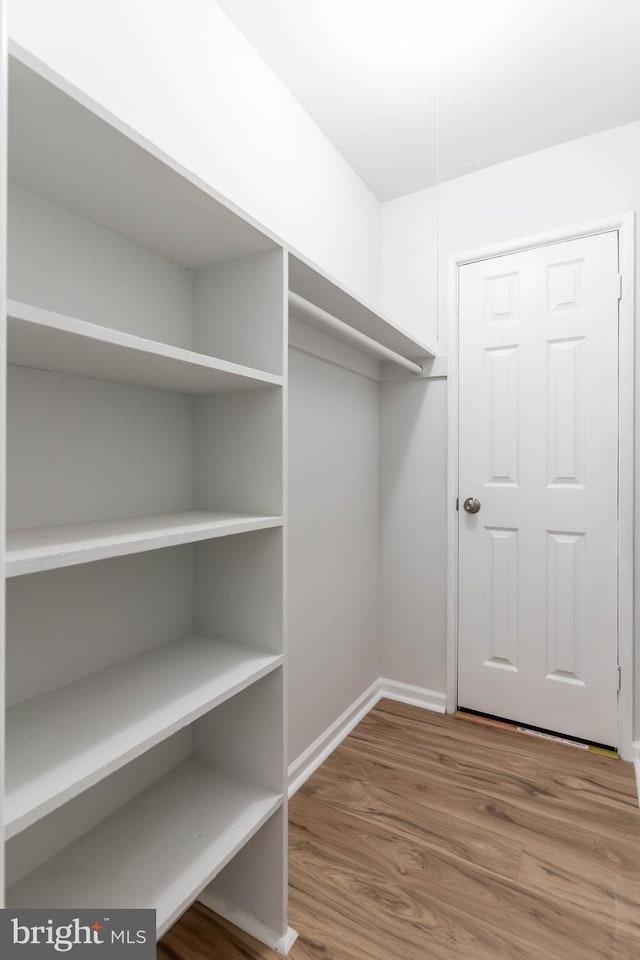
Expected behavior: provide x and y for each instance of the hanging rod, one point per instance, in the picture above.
(325, 319)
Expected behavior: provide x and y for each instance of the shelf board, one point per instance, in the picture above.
(61, 743)
(308, 281)
(159, 850)
(49, 548)
(50, 341)
(69, 150)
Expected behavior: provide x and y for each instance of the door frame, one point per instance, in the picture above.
(624, 224)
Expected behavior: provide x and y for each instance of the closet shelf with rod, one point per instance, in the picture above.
(318, 317)
(321, 302)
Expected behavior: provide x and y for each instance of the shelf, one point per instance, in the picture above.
(50, 341)
(49, 548)
(61, 743)
(158, 850)
(310, 282)
(69, 150)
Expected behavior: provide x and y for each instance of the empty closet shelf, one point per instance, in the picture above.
(48, 548)
(60, 743)
(159, 850)
(51, 341)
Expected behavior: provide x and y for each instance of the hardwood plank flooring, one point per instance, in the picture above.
(426, 836)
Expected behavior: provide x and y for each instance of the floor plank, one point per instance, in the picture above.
(425, 836)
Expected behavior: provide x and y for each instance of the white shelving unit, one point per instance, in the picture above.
(127, 708)
(194, 819)
(146, 523)
(146, 341)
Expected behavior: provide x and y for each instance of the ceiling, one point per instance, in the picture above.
(513, 76)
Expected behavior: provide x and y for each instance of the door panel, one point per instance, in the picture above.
(538, 394)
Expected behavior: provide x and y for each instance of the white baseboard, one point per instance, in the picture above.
(636, 764)
(417, 696)
(250, 924)
(309, 761)
(315, 755)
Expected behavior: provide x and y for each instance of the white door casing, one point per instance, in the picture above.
(538, 446)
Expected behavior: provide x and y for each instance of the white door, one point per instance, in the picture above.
(538, 435)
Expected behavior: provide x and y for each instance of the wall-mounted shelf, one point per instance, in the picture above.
(63, 742)
(193, 820)
(68, 149)
(50, 341)
(315, 286)
(49, 548)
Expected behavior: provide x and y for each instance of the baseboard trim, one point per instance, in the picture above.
(315, 755)
(635, 748)
(416, 696)
(245, 921)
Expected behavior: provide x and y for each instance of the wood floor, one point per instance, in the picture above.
(426, 837)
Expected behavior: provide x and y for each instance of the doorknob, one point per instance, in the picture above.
(472, 505)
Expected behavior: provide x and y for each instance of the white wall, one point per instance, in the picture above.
(408, 277)
(569, 184)
(187, 79)
(333, 540)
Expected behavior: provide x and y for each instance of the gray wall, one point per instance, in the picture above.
(333, 543)
(413, 529)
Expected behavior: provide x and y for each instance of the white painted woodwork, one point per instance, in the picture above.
(33, 847)
(327, 294)
(309, 340)
(538, 393)
(238, 588)
(119, 608)
(49, 341)
(49, 548)
(234, 890)
(229, 587)
(144, 310)
(243, 736)
(238, 452)
(125, 709)
(81, 449)
(250, 294)
(304, 309)
(66, 152)
(65, 264)
(194, 820)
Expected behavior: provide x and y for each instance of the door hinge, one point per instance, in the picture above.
(619, 673)
(619, 286)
